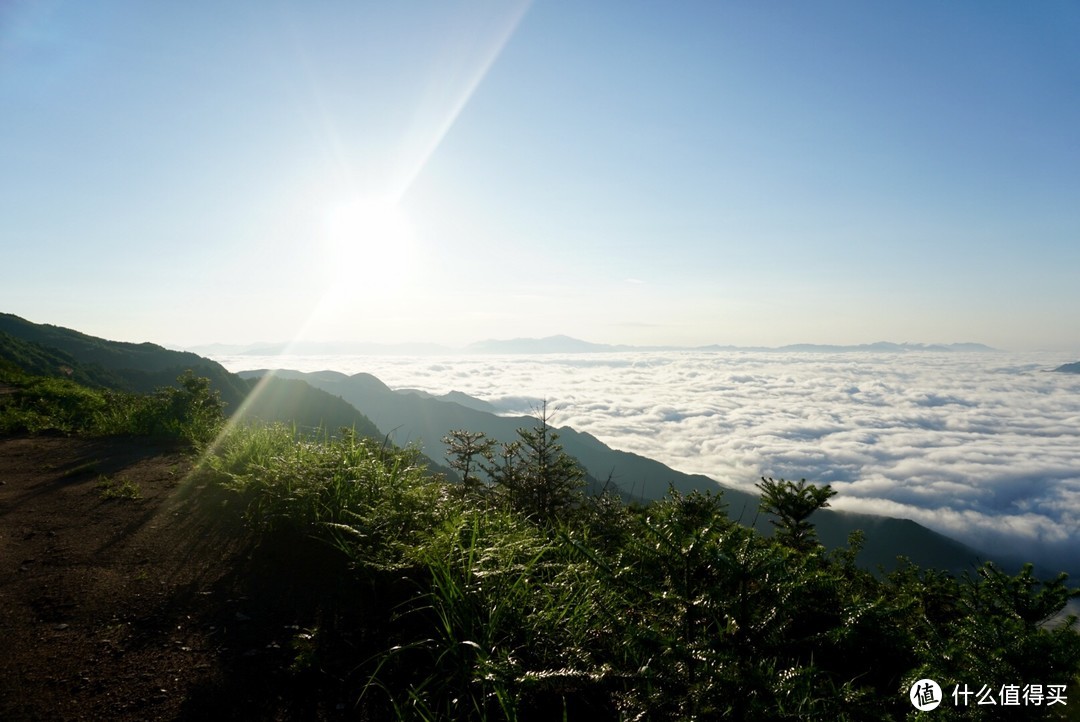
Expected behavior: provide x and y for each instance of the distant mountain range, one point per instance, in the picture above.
(332, 400)
(554, 345)
(566, 344)
(1073, 368)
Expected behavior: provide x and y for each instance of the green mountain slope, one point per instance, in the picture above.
(424, 420)
(30, 358)
(45, 350)
(138, 368)
(294, 401)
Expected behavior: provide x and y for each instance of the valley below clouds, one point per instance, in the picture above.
(983, 447)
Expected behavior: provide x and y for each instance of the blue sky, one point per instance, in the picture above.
(732, 172)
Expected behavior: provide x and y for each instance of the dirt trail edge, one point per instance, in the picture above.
(126, 591)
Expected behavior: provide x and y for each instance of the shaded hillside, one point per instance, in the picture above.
(45, 350)
(36, 360)
(1073, 368)
(424, 420)
(138, 368)
(456, 397)
(293, 401)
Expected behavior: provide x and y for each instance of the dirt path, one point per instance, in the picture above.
(127, 608)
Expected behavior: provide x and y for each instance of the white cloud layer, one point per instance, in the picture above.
(982, 447)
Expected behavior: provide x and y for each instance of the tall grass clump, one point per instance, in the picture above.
(40, 404)
(513, 619)
(190, 412)
(371, 500)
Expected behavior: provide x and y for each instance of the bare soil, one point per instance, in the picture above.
(150, 608)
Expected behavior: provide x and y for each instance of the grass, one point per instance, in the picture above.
(110, 488)
(369, 500)
(189, 412)
(50, 404)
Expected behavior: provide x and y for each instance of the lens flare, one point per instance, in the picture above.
(368, 245)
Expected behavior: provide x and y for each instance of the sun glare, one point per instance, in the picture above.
(369, 244)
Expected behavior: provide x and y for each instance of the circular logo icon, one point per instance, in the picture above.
(925, 695)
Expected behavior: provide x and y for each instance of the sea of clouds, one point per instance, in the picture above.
(983, 447)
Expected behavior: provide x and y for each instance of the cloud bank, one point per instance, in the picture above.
(982, 447)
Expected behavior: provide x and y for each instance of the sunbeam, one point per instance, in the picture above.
(366, 237)
(461, 72)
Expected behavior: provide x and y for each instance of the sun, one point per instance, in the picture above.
(368, 243)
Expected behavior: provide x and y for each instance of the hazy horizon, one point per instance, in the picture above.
(734, 173)
(286, 347)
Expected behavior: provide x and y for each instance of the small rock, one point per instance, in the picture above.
(61, 626)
